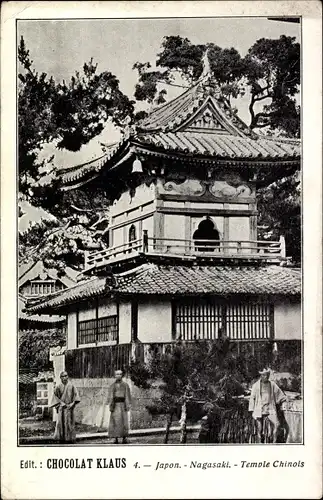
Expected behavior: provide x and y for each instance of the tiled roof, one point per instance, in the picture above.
(223, 145)
(175, 113)
(153, 279)
(43, 318)
(27, 378)
(180, 280)
(179, 127)
(34, 270)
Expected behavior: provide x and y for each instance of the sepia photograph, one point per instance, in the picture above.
(160, 247)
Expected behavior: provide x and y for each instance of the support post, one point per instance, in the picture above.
(145, 241)
(86, 258)
(282, 247)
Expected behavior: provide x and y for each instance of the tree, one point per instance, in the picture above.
(272, 69)
(269, 74)
(69, 114)
(72, 113)
(199, 371)
(34, 348)
(180, 59)
(279, 205)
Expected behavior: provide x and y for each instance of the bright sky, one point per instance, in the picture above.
(60, 48)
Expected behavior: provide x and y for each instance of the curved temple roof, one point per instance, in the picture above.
(198, 123)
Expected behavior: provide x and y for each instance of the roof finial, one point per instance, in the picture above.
(206, 63)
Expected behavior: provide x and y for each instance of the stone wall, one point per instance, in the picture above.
(93, 410)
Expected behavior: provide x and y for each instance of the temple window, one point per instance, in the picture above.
(132, 233)
(97, 330)
(43, 287)
(206, 237)
(199, 319)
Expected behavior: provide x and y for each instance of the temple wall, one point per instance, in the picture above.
(155, 321)
(126, 204)
(124, 322)
(288, 320)
(120, 234)
(93, 408)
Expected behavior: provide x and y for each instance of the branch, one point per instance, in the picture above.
(173, 84)
(268, 96)
(81, 209)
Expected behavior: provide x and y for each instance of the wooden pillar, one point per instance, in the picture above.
(173, 319)
(159, 229)
(253, 227)
(134, 320)
(226, 233)
(188, 231)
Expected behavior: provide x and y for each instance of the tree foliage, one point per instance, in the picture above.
(70, 112)
(272, 68)
(269, 74)
(34, 348)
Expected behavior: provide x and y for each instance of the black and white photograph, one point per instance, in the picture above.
(159, 190)
(161, 250)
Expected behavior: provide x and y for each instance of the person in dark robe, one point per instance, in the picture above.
(64, 399)
(119, 401)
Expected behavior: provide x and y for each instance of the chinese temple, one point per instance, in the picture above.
(184, 260)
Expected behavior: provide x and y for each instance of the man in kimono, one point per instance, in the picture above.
(265, 401)
(119, 403)
(64, 399)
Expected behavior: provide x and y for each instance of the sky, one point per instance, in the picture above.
(59, 48)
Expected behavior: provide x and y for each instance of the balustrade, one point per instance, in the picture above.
(213, 249)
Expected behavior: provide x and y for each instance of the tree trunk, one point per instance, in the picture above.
(183, 424)
(168, 424)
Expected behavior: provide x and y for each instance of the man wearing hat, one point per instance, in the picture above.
(265, 397)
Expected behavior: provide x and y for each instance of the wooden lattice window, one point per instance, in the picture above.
(207, 320)
(97, 330)
(44, 287)
(198, 320)
(246, 321)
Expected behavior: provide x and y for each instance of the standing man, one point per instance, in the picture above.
(119, 403)
(265, 399)
(64, 399)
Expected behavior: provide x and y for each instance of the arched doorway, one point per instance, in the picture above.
(206, 231)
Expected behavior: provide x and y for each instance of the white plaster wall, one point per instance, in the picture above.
(121, 234)
(87, 313)
(106, 308)
(206, 206)
(71, 330)
(124, 322)
(155, 321)
(143, 194)
(239, 228)
(148, 224)
(174, 226)
(117, 237)
(288, 320)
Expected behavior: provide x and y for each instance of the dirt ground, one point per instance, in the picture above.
(29, 427)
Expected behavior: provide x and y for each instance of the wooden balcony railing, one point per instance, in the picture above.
(213, 249)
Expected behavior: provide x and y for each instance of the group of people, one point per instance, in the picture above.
(66, 397)
(265, 404)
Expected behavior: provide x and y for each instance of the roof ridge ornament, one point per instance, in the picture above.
(206, 64)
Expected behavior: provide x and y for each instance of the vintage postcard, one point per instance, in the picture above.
(161, 250)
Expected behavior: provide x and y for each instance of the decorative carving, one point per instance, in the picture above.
(223, 188)
(188, 187)
(207, 120)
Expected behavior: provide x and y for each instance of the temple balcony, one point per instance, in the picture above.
(205, 250)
